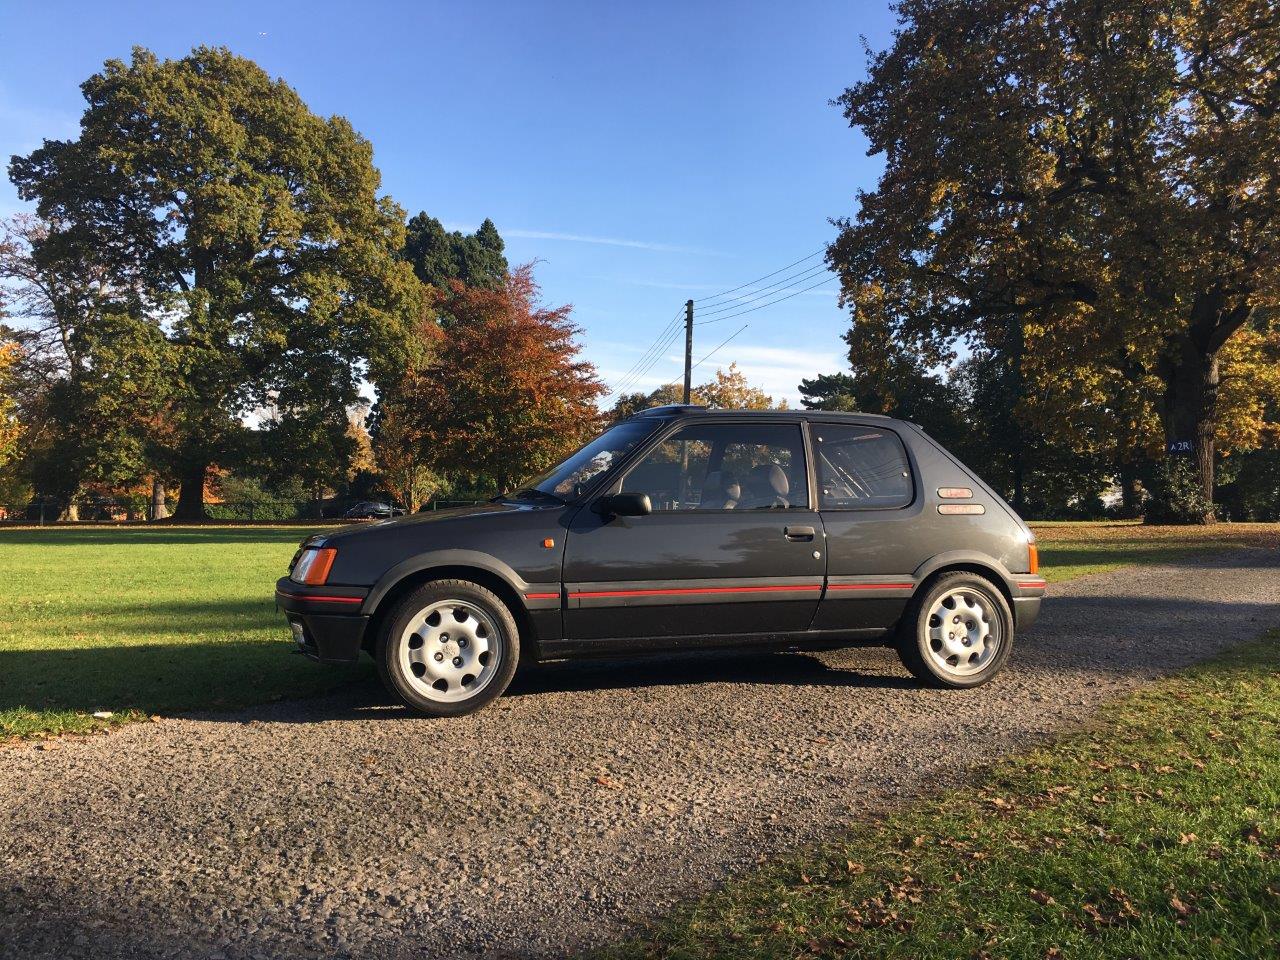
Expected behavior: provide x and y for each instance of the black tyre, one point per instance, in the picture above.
(957, 632)
(448, 648)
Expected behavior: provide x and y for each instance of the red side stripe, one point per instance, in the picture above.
(692, 590)
(542, 596)
(870, 586)
(305, 596)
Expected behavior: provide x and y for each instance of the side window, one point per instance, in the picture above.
(725, 467)
(860, 467)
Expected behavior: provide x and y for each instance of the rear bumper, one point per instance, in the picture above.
(322, 627)
(1028, 591)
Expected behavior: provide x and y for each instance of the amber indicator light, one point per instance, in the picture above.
(955, 493)
(548, 543)
(1034, 553)
(318, 572)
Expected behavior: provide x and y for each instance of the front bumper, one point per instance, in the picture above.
(326, 622)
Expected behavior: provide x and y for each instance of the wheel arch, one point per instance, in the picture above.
(983, 566)
(397, 583)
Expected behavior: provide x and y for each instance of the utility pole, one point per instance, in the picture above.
(688, 348)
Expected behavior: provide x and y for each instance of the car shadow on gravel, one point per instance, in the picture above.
(367, 698)
(788, 668)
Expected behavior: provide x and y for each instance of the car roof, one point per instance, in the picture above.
(676, 410)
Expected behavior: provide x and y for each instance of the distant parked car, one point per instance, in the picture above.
(373, 510)
(683, 528)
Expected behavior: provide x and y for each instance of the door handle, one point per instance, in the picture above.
(798, 533)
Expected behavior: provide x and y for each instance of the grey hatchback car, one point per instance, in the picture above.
(682, 528)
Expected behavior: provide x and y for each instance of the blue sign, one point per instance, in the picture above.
(1179, 446)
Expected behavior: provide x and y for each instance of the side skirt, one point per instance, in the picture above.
(632, 646)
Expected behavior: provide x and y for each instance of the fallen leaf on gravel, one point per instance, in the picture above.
(604, 781)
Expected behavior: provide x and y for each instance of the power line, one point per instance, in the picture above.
(642, 371)
(762, 292)
(629, 378)
(771, 302)
(717, 349)
(722, 293)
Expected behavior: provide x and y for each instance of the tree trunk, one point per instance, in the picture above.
(1190, 406)
(1130, 483)
(159, 508)
(191, 494)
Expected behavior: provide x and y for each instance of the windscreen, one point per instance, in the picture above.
(576, 475)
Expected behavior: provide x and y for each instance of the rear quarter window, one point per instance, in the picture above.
(861, 468)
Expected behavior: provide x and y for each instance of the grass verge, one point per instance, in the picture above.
(1156, 833)
(1074, 549)
(134, 622)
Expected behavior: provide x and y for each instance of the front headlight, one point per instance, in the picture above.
(313, 566)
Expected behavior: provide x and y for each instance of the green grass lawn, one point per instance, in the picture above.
(1070, 550)
(140, 621)
(155, 620)
(1154, 834)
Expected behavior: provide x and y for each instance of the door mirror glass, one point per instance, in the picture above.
(625, 505)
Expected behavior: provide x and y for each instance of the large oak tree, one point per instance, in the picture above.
(1091, 182)
(251, 228)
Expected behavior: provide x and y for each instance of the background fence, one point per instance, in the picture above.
(139, 510)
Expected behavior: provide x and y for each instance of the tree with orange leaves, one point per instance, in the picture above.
(504, 393)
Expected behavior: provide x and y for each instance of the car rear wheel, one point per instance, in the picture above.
(958, 632)
(448, 648)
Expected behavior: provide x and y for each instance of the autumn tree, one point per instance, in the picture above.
(727, 390)
(1093, 180)
(249, 230)
(10, 426)
(503, 392)
(400, 454)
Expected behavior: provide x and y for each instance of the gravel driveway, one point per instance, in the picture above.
(590, 796)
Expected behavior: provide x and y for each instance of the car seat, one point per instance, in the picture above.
(769, 486)
(720, 491)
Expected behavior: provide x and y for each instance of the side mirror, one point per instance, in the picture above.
(624, 505)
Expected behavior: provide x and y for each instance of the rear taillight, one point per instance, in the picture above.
(313, 566)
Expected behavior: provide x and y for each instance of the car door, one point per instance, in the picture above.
(732, 547)
(869, 502)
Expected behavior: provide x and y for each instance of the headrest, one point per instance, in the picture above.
(770, 477)
(723, 482)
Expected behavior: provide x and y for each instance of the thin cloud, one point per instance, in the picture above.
(599, 241)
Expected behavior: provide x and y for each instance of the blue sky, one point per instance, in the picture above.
(643, 153)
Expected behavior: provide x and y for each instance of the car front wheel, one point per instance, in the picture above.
(958, 632)
(448, 648)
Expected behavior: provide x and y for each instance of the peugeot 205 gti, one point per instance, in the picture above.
(682, 529)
